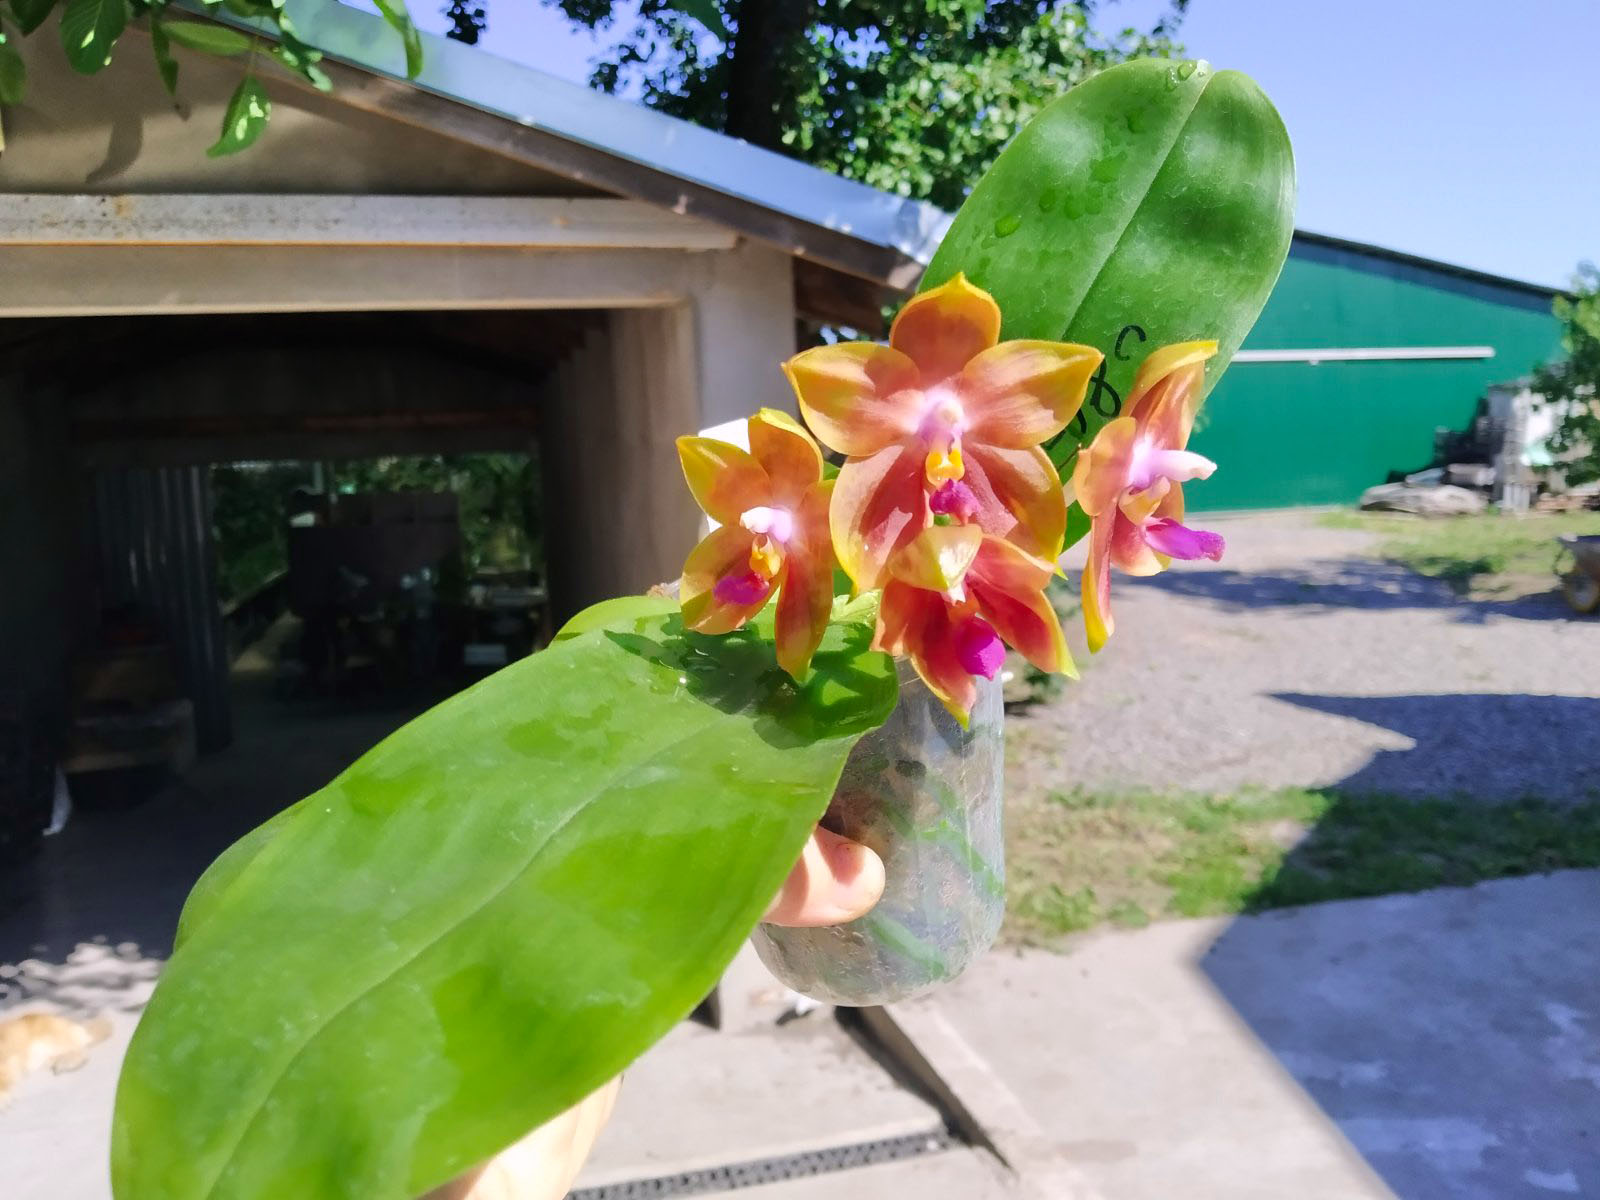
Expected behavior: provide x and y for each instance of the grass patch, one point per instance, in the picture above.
(1478, 553)
(1079, 859)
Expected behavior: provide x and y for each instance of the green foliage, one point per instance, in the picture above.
(1153, 204)
(486, 917)
(1572, 387)
(90, 30)
(912, 96)
(245, 120)
(1084, 858)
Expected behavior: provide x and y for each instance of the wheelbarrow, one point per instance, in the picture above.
(1581, 585)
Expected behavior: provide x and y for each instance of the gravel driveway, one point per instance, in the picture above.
(1303, 660)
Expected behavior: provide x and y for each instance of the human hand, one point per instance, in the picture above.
(836, 880)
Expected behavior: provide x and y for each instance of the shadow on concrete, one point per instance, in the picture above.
(117, 875)
(1481, 746)
(1452, 1034)
(1346, 583)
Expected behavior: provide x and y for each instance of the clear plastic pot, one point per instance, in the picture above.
(928, 797)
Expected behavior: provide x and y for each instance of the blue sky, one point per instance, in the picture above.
(1463, 130)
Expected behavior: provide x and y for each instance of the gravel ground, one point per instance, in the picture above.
(1302, 660)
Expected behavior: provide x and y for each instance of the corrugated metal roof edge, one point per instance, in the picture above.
(669, 145)
(1427, 264)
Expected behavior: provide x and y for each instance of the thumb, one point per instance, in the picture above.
(835, 881)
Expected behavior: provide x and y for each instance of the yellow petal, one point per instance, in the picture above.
(1096, 591)
(725, 480)
(1101, 473)
(857, 397)
(787, 453)
(1167, 390)
(1019, 497)
(943, 328)
(806, 598)
(723, 552)
(879, 504)
(937, 558)
(1008, 586)
(1019, 394)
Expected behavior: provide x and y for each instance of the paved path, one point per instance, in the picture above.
(1302, 661)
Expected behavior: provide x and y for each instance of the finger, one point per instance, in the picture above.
(836, 880)
(542, 1165)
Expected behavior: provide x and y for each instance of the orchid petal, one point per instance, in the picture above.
(937, 558)
(879, 505)
(1130, 553)
(1167, 390)
(945, 327)
(1019, 497)
(857, 397)
(1008, 586)
(806, 599)
(1179, 541)
(726, 481)
(938, 662)
(724, 552)
(1101, 474)
(787, 453)
(903, 613)
(1095, 593)
(915, 623)
(1019, 394)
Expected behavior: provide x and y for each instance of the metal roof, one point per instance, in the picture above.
(837, 221)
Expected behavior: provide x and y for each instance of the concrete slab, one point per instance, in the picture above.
(1433, 1046)
(703, 1099)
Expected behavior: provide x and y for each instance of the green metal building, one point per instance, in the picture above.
(1360, 355)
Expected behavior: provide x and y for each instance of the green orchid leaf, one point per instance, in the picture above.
(245, 119)
(617, 613)
(207, 38)
(399, 18)
(89, 31)
(13, 73)
(484, 918)
(1152, 204)
(31, 14)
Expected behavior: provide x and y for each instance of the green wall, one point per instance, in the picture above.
(1293, 433)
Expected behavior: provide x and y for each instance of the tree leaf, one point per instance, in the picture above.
(31, 14)
(246, 118)
(488, 915)
(166, 65)
(300, 58)
(13, 73)
(89, 31)
(707, 13)
(1152, 204)
(399, 18)
(207, 38)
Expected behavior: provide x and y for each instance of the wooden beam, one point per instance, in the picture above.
(823, 294)
(533, 222)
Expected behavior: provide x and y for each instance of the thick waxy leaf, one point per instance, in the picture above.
(245, 120)
(30, 14)
(399, 18)
(1152, 204)
(89, 29)
(207, 38)
(491, 913)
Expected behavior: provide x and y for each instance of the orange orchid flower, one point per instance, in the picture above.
(1129, 480)
(945, 419)
(954, 595)
(771, 504)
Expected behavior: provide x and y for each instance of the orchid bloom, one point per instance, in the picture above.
(944, 420)
(954, 595)
(771, 504)
(1129, 480)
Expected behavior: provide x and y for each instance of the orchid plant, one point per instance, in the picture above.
(500, 906)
